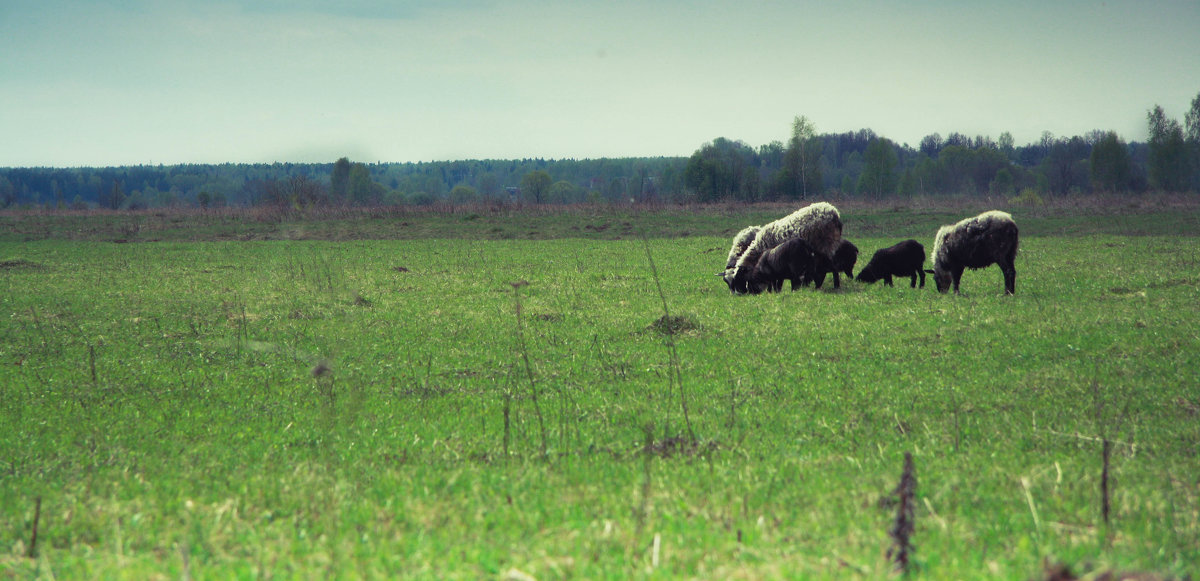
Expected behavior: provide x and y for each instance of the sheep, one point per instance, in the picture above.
(741, 241)
(845, 257)
(843, 260)
(989, 238)
(901, 259)
(819, 224)
(793, 260)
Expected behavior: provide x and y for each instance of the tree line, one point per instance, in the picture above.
(853, 164)
(344, 182)
(865, 165)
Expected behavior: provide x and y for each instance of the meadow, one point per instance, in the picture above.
(589, 402)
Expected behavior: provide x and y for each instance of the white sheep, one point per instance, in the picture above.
(989, 238)
(741, 241)
(819, 224)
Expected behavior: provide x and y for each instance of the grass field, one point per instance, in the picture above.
(452, 407)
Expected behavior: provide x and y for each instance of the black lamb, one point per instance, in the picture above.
(901, 259)
(843, 261)
(793, 260)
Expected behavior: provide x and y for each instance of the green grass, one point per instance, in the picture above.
(310, 408)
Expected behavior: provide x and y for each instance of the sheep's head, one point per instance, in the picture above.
(743, 278)
(732, 279)
(742, 283)
(942, 278)
(759, 278)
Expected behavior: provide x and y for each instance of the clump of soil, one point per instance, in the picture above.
(675, 324)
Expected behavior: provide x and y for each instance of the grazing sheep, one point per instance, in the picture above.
(741, 241)
(793, 260)
(845, 257)
(989, 238)
(843, 260)
(901, 259)
(820, 225)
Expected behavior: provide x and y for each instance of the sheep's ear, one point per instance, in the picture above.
(722, 273)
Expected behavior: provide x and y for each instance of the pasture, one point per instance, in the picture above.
(465, 408)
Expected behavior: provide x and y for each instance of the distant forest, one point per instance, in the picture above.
(858, 164)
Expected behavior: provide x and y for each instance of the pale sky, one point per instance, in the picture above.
(124, 82)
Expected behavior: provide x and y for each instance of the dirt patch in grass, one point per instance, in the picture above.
(675, 324)
(20, 263)
(679, 446)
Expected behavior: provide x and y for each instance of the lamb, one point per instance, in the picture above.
(845, 257)
(793, 260)
(989, 238)
(819, 224)
(901, 259)
(741, 241)
(843, 260)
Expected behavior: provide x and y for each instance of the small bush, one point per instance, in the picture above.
(1028, 197)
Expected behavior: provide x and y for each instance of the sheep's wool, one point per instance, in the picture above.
(741, 242)
(943, 233)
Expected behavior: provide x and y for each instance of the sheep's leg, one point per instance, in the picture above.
(913, 283)
(956, 274)
(837, 280)
(820, 280)
(922, 273)
(1010, 278)
(887, 279)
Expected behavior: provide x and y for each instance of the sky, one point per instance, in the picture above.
(127, 82)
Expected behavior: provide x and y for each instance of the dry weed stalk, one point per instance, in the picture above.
(1106, 483)
(37, 516)
(904, 524)
(1105, 503)
(673, 374)
(533, 390)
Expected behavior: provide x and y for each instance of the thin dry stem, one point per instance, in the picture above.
(904, 524)
(533, 389)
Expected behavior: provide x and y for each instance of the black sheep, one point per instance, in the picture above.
(901, 259)
(989, 238)
(843, 261)
(793, 260)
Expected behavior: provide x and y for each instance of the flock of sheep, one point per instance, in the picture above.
(807, 244)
